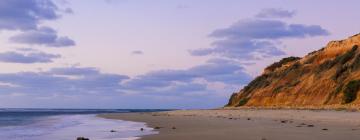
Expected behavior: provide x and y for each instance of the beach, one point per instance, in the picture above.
(248, 124)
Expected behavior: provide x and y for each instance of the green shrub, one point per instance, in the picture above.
(334, 93)
(356, 64)
(258, 82)
(326, 65)
(282, 62)
(278, 89)
(338, 89)
(346, 56)
(313, 52)
(310, 60)
(350, 91)
(295, 68)
(340, 71)
(293, 83)
(341, 59)
(232, 99)
(243, 101)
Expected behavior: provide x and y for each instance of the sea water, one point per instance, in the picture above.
(64, 124)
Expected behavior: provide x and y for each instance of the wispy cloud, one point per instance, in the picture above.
(275, 13)
(170, 81)
(89, 80)
(137, 52)
(43, 36)
(26, 16)
(58, 80)
(27, 58)
(253, 39)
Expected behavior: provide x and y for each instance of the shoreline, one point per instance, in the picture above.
(247, 124)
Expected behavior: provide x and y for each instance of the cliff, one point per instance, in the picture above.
(327, 77)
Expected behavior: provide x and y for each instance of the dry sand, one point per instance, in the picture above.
(248, 124)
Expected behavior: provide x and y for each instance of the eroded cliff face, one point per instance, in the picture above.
(327, 77)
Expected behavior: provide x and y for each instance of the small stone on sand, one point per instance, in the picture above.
(157, 127)
(82, 138)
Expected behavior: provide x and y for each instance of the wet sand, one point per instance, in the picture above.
(248, 124)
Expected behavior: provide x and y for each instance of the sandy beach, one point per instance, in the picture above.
(248, 124)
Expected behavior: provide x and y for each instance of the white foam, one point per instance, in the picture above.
(68, 127)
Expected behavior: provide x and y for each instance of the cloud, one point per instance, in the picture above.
(275, 13)
(173, 87)
(158, 79)
(68, 11)
(26, 14)
(182, 6)
(59, 81)
(239, 49)
(74, 71)
(43, 36)
(137, 52)
(88, 80)
(33, 57)
(267, 29)
(26, 49)
(221, 70)
(171, 81)
(254, 39)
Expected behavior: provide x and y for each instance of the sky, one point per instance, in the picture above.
(154, 54)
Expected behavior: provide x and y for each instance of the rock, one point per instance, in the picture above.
(310, 125)
(173, 127)
(82, 138)
(248, 118)
(141, 129)
(324, 129)
(157, 127)
(112, 131)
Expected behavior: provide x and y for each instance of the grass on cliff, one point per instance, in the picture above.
(341, 70)
(282, 62)
(356, 64)
(347, 56)
(341, 59)
(258, 82)
(242, 102)
(350, 91)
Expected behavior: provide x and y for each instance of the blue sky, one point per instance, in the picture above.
(154, 54)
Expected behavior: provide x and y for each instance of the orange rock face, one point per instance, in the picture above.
(319, 79)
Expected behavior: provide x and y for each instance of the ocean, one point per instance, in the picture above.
(68, 124)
